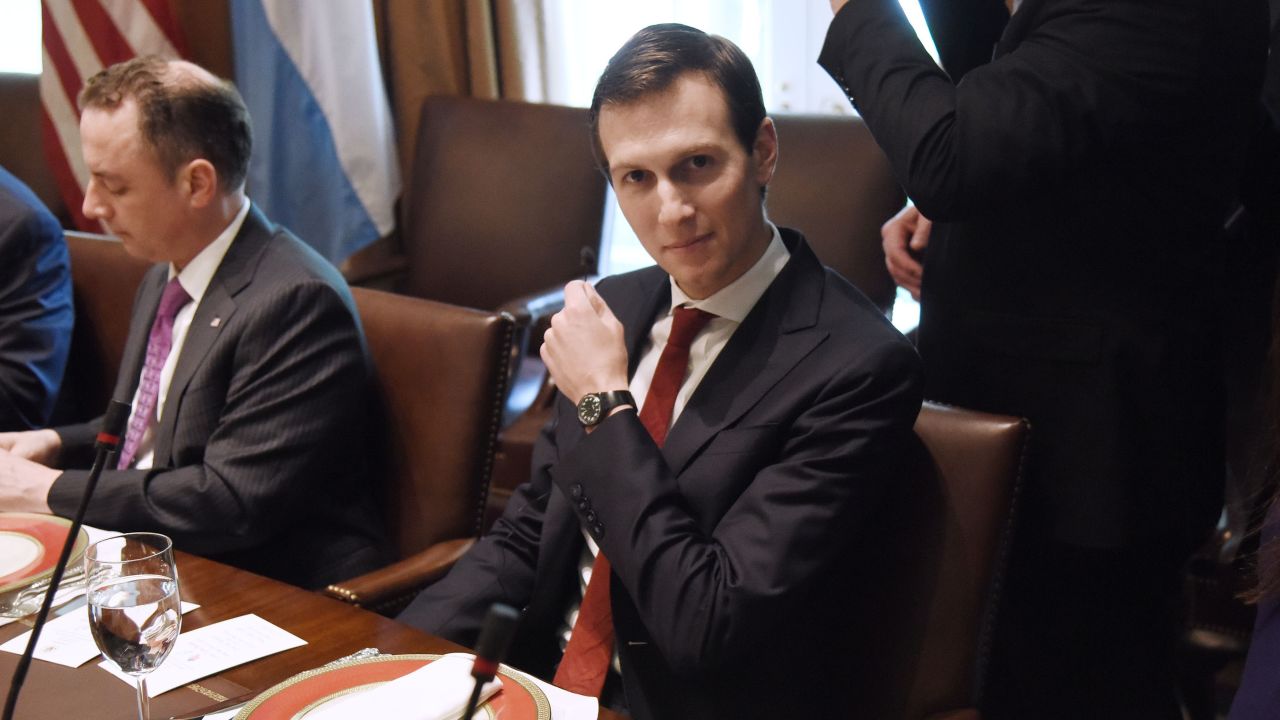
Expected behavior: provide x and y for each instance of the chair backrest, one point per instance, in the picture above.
(104, 281)
(502, 199)
(922, 623)
(834, 184)
(21, 146)
(441, 373)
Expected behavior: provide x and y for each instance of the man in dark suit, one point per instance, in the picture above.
(35, 307)
(1078, 181)
(245, 362)
(728, 505)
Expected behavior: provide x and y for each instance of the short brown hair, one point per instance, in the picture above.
(657, 55)
(182, 116)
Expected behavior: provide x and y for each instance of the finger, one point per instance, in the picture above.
(574, 297)
(904, 269)
(597, 303)
(920, 238)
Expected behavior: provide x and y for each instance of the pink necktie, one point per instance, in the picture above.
(586, 658)
(159, 343)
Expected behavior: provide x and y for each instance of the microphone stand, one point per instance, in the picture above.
(495, 637)
(113, 424)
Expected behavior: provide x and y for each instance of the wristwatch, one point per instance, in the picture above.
(594, 407)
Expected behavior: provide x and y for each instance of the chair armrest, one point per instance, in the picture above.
(389, 588)
(965, 714)
(383, 272)
(534, 307)
(538, 307)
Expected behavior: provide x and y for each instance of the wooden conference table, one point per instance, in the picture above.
(332, 630)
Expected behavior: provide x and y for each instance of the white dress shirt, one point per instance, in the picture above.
(195, 279)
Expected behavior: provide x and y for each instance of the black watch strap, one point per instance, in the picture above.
(595, 407)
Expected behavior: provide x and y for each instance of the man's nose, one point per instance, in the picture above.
(676, 206)
(93, 207)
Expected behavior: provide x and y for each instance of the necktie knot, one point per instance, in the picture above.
(172, 300)
(686, 325)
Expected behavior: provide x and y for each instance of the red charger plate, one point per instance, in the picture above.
(48, 532)
(519, 699)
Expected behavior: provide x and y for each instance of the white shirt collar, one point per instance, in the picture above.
(198, 273)
(736, 299)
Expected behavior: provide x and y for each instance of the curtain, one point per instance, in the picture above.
(479, 48)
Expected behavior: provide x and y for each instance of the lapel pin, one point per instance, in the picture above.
(216, 322)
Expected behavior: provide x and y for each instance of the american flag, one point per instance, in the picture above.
(82, 37)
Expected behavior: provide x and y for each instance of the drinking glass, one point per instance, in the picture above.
(133, 604)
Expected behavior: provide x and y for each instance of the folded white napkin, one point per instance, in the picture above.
(436, 691)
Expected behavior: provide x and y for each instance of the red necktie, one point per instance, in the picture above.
(159, 343)
(586, 658)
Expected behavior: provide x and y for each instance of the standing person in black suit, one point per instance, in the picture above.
(774, 401)
(1078, 180)
(35, 307)
(245, 362)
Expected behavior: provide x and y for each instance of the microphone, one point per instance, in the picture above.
(113, 426)
(495, 638)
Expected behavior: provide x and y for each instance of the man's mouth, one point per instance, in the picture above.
(686, 244)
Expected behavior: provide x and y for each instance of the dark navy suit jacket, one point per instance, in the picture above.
(733, 545)
(35, 307)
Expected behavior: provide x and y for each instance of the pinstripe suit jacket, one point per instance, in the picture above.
(259, 456)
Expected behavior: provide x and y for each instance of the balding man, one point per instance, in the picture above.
(245, 362)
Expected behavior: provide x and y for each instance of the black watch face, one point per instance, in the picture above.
(589, 408)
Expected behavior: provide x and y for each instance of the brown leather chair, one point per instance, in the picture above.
(503, 204)
(104, 281)
(441, 374)
(922, 625)
(834, 184)
(21, 143)
(503, 200)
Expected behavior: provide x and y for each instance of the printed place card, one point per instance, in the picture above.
(211, 649)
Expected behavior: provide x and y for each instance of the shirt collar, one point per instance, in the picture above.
(736, 299)
(198, 273)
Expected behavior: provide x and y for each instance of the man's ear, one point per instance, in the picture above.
(764, 151)
(201, 180)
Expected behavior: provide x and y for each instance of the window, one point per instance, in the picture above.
(20, 37)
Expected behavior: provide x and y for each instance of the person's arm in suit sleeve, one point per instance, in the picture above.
(703, 597)
(294, 385)
(1090, 76)
(35, 314)
(500, 567)
(799, 476)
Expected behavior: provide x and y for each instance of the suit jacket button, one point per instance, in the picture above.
(597, 530)
(583, 505)
(591, 517)
(575, 491)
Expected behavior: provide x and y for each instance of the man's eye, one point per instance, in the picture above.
(700, 161)
(634, 176)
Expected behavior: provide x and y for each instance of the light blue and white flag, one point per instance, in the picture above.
(324, 159)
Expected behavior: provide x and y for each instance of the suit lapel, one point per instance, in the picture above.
(777, 333)
(212, 315)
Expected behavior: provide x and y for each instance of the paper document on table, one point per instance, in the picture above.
(212, 649)
(67, 639)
